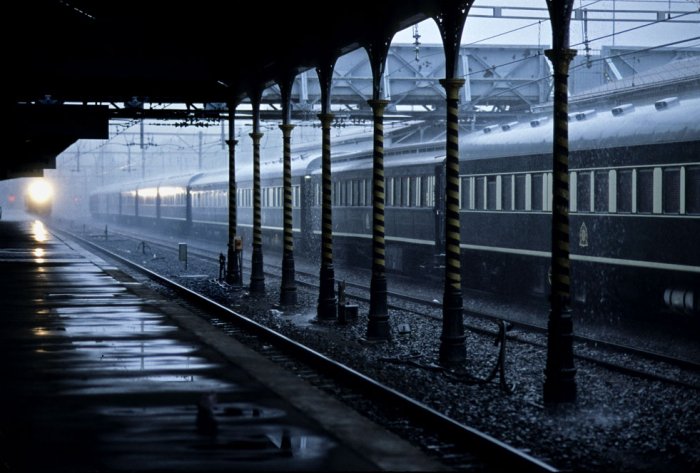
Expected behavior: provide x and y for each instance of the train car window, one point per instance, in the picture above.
(645, 186)
(528, 192)
(537, 195)
(405, 191)
(415, 194)
(499, 192)
(612, 191)
(480, 193)
(427, 189)
(368, 183)
(600, 198)
(583, 191)
(520, 192)
(296, 196)
(396, 192)
(388, 188)
(692, 190)
(507, 184)
(464, 193)
(624, 191)
(672, 190)
(353, 190)
(658, 191)
(491, 193)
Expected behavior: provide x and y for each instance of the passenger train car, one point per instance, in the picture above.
(634, 207)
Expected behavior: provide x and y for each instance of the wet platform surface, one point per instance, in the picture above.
(98, 375)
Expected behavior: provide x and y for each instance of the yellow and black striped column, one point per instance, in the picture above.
(378, 327)
(288, 290)
(560, 384)
(233, 269)
(257, 276)
(327, 303)
(452, 339)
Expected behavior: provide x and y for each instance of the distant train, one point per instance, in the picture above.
(634, 207)
(38, 197)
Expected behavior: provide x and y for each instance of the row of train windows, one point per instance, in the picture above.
(269, 197)
(671, 190)
(405, 191)
(210, 198)
(165, 200)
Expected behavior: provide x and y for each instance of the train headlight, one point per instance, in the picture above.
(40, 191)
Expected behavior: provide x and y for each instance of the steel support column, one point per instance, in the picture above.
(378, 327)
(288, 290)
(327, 308)
(560, 374)
(257, 276)
(452, 339)
(233, 268)
(327, 301)
(450, 21)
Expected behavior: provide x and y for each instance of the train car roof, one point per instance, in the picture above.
(208, 178)
(182, 180)
(664, 121)
(396, 157)
(301, 164)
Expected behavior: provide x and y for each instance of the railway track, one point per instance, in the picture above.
(587, 348)
(461, 446)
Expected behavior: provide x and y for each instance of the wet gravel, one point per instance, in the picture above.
(618, 423)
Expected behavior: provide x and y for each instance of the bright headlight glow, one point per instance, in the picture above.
(40, 191)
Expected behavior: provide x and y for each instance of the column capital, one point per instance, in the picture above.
(287, 128)
(326, 119)
(565, 54)
(256, 136)
(452, 86)
(378, 103)
(231, 142)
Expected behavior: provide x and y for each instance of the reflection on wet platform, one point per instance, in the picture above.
(99, 378)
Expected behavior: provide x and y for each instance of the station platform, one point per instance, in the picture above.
(100, 373)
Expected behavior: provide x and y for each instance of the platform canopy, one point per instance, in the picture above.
(134, 52)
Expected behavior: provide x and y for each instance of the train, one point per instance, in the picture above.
(39, 197)
(634, 208)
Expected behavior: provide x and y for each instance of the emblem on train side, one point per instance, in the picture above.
(583, 235)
